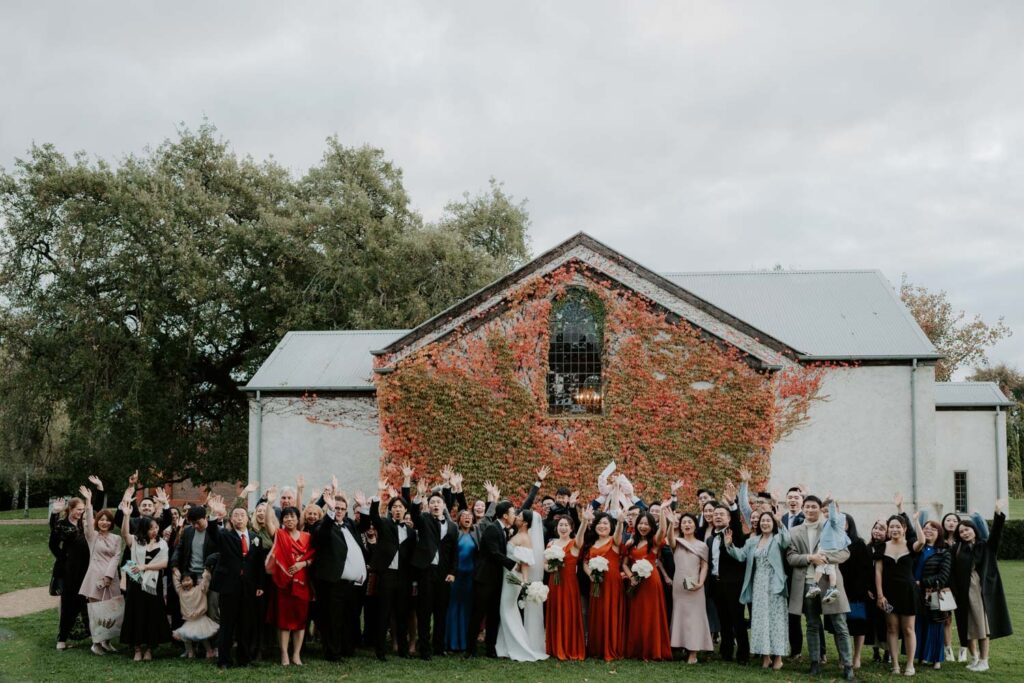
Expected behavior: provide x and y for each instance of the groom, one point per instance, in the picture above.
(489, 576)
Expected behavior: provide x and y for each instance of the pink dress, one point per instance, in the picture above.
(689, 612)
(104, 559)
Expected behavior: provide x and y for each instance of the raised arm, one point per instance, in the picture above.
(998, 522)
(542, 473)
(126, 523)
(743, 497)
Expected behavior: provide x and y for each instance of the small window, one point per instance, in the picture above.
(960, 491)
(574, 354)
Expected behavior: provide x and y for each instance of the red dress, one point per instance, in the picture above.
(647, 631)
(293, 593)
(564, 611)
(606, 620)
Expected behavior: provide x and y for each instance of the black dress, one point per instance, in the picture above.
(71, 553)
(858, 578)
(145, 621)
(898, 584)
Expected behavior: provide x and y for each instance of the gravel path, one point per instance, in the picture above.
(26, 601)
(17, 522)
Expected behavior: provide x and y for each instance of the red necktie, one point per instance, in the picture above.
(245, 545)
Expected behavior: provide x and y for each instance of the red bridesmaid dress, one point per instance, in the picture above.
(647, 635)
(606, 620)
(564, 611)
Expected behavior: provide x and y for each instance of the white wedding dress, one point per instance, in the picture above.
(521, 634)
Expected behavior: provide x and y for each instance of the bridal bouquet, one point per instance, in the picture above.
(598, 568)
(642, 570)
(554, 560)
(534, 591)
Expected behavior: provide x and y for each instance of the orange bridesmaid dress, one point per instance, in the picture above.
(647, 621)
(606, 620)
(564, 611)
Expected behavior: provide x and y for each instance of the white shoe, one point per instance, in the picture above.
(949, 654)
(97, 649)
(982, 665)
(963, 655)
(973, 666)
(62, 646)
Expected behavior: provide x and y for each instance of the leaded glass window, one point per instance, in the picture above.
(574, 355)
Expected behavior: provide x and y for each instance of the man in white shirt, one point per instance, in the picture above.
(340, 578)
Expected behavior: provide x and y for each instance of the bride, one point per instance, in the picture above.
(521, 634)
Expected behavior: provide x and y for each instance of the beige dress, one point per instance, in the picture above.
(977, 620)
(104, 558)
(690, 628)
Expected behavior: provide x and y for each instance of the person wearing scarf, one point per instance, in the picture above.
(287, 564)
(145, 621)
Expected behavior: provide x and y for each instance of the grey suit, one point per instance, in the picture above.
(797, 555)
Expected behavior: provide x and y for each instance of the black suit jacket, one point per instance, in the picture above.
(493, 544)
(388, 543)
(798, 519)
(234, 573)
(181, 558)
(331, 548)
(430, 543)
(729, 568)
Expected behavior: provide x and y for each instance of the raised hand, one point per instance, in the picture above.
(745, 475)
(126, 507)
(86, 493)
(272, 494)
(161, 496)
(1000, 504)
(59, 505)
(446, 473)
(588, 514)
(300, 482)
(897, 500)
(407, 470)
(676, 485)
(96, 481)
(729, 492)
(133, 480)
(360, 499)
(334, 485)
(728, 536)
(574, 498)
(382, 486)
(250, 487)
(542, 472)
(129, 493)
(456, 482)
(421, 488)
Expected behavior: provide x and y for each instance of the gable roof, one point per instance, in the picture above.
(823, 314)
(969, 395)
(614, 266)
(322, 361)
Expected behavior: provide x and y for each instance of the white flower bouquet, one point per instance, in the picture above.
(554, 560)
(534, 591)
(642, 570)
(598, 568)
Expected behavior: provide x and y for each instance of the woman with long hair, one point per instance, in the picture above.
(932, 571)
(564, 608)
(266, 637)
(859, 581)
(290, 558)
(647, 636)
(764, 587)
(101, 581)
(70, 550)
(145, 621)
(876, 617)
(897, 592)
(690, 629)
(607, 614)
(981, 612)
(460, 602)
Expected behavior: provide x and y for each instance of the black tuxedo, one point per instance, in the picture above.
(726, 589)
(432, 579)
(237, 577)
(338, 615)
(394, 586)
(487, 584)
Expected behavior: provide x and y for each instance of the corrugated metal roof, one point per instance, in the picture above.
(969, 394)
(824, 314)
(321, 361)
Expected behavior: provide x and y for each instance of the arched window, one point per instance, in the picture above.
(574, 354)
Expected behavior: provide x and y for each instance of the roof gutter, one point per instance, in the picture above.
(293, 389)
(913, 433)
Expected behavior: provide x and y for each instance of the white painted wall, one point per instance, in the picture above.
(973, 441)
(334, 435)
(858, 442)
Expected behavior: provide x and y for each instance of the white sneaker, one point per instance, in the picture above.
(973, 666)
(982, 665)
(813, 592)
(963, 655)
(949, 654)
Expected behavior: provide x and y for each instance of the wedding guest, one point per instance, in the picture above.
(70, 550)
(564, 610)
(460, 604)
(145, 624)
(725, 580)
(647, 635)
(981, 612)
(291, 556)
(197, 626)
(764, 587)
(101, 580)
(690, 629)
(897, 592)
(606, 615)
(389, 564)
(876, 617)
(859, 580)
(263, 640)
(931, 571)
(706, 519)
(802, 557)
(340, 572)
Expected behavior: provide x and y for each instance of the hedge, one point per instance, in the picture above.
(1012, 545)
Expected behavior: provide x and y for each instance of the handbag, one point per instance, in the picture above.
(105, 619)
(858, 610)
(942, 600)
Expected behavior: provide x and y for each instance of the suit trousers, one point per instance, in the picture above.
(338, 617)
(726, 596)
(486, 607)
(393, 600)
(238, 623)
(431, 603)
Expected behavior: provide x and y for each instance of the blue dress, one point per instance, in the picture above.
(460, 604)
(930, 634)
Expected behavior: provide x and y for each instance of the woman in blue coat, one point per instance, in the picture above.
(764, 588)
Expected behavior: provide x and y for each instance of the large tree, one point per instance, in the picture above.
(960, 340)
(1011, 381)
(137, 296)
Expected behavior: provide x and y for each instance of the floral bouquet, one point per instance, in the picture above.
(535, 591)
(642, 570)
(132, 571)
(554, 560)
(598, 568)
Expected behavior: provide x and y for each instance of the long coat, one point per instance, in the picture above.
(796, 554)
(981, 556)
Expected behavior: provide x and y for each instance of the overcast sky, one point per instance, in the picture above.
(691, 136)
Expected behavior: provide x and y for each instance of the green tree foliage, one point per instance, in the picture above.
(136, 297)
(1011, 381)
(961, 342)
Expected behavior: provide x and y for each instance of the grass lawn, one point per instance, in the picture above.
(1016, 506)
(26, 561)
(27, 654)
(33, 513)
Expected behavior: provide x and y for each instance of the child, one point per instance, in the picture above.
(833, 539)
(197, 627)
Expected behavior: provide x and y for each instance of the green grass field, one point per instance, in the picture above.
(33, 513)
(27, 650)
